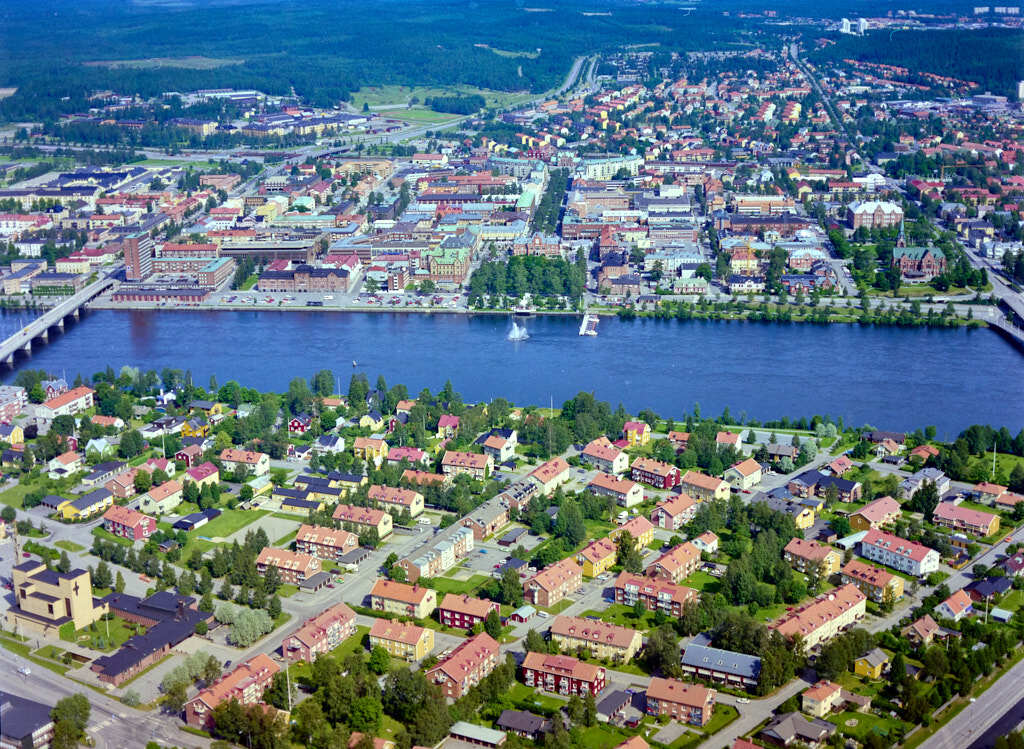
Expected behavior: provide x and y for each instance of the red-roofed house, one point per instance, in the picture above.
(466, 667)
(128, 523)
(956, 607)
(636, 433)
(687, 703)
(203, 474)
(245, 684)
(675, 512)
(464, 611)
(655, 473)
(562, 674)
(320, 634)
(626, 493)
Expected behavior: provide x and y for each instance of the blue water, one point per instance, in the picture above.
(889, 377)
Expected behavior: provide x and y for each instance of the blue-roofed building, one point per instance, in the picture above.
(171, 620)
(24, 723)
(702, 661)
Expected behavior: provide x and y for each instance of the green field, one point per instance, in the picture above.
(621, 614)
(419, 114)
(1013, 600)
(189, 62)
(722, 716)
(864, 724)
(703, 581)
(448, 585)
(69, 546)
(386, 96)
(287, 590)
(222, 526)
(105, 635)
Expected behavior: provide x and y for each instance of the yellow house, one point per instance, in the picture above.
(402, 639)
(637, 433)
(871, 665)
(804, 519)
(15, 435)
(370, 448)
(597, 557)
(87, 505)
(208, 408)
(640, 528)
(197, 426)
(373, 423)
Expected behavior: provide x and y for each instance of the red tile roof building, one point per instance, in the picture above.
(675, 512)
(245, 684)
(562, 674)
(687, 703)
(655, 594)
(320, 634)
(325, 543)
(824, 617)
(293, 566)
(553, 583)
(677, 563)
(655, 473)
(128, 523)
(466, 667)
(464, 611)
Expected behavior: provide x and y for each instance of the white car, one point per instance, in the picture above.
(25, 671)
(742, 700)
(543, 614)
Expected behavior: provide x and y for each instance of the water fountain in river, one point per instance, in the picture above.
(518, 332)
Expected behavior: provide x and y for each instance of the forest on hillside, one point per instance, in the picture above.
(56, 53)
(992, 58)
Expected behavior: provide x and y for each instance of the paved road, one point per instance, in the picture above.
(976, 719)
(111, 724)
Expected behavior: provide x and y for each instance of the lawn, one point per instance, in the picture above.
(866, 723)
(602, 736)
(600, 529)
(1013, 601)
(448, 585)
(1004, 466)
(559, 607)
(287, 538)
(105, 535)
(383, 96)
(15, 496)
(621, 614)
(704, 582)
(356, 642)
(223, 526)
(105, 635)
(287, 590)
(249, 282)
(527, 698)
(723, 715)
(69, 546)
(419, 114)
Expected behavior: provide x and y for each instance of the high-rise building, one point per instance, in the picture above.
(1020, 90)
(138, 256)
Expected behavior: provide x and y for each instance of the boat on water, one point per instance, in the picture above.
(523, 312)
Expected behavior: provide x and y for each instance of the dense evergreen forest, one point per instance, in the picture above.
(992, 58)
(322, 51)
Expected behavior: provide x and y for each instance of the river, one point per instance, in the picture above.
(892, 378)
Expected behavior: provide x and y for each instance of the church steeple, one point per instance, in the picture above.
(901, 241)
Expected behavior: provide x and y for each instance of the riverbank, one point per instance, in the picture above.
(893, 315)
